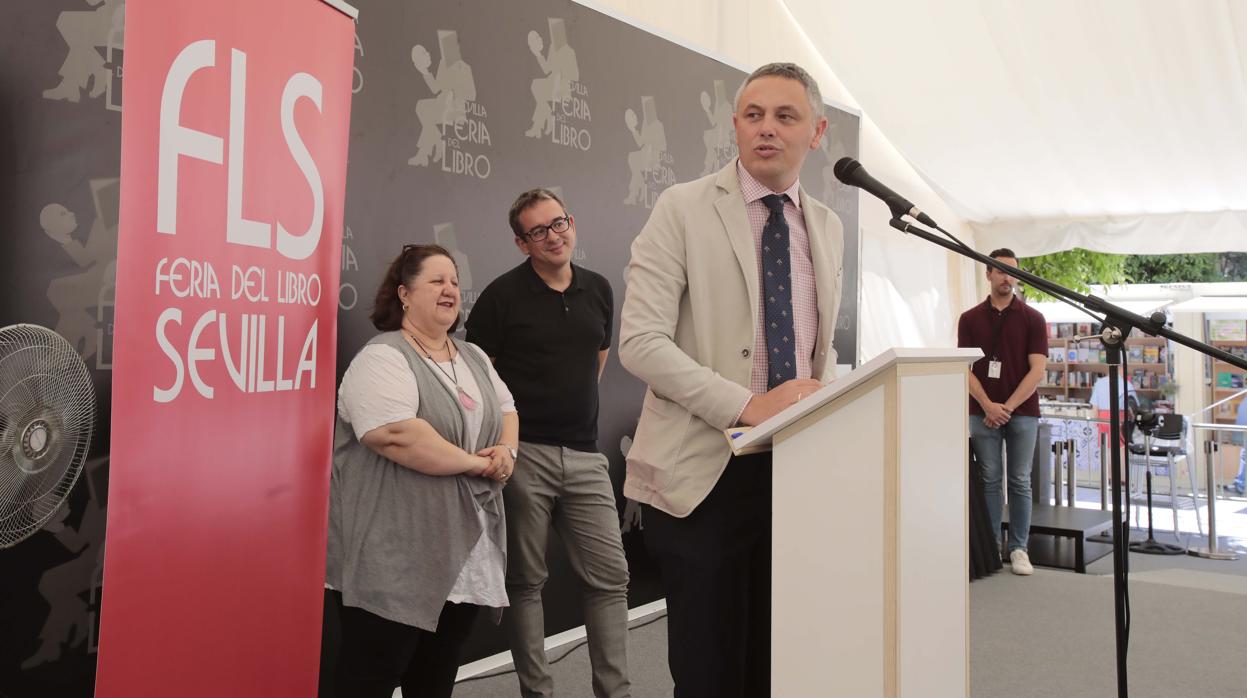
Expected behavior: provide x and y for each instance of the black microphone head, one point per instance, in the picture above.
(844, 169)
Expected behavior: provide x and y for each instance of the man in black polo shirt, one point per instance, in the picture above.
(547, 326)
(1004, 409)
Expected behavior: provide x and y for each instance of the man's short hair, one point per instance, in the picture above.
(526, 200)
(1002, 252)
(792, 71)
(998, 253)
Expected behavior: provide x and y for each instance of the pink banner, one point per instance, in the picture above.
(233, 171)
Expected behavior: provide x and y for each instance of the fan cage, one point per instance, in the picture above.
(47, 414)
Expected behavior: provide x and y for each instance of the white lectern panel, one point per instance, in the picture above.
(932, 558)
(836, 603)
(869, 570)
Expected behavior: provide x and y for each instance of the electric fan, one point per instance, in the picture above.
(47, 412)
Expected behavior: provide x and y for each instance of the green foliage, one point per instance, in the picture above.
(1075, 269)
(1234, 266)
(1174, 268)
(1078, 268)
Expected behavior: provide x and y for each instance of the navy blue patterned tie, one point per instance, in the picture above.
(781, 350)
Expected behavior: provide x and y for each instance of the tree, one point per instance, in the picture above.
(1075, 269)
(1234, 266)
(1174, 268)
(1078, 268)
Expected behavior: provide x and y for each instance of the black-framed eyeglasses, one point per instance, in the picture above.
(558, 225)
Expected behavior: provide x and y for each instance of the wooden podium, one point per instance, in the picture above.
(870, 562)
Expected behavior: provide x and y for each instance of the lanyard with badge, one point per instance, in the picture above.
(994, 365)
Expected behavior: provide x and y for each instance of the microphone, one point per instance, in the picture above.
(852, 173)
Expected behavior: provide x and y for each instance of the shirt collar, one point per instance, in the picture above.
(537, 285)
(1014, 303)
(753, 190)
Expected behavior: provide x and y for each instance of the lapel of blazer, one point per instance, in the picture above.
(731, 208)
(824, 277)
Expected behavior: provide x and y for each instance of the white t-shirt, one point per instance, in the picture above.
(379, 389)
(1099, 393)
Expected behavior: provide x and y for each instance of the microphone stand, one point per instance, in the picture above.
(1117, 325)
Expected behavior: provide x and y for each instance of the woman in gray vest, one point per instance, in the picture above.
(424, 443)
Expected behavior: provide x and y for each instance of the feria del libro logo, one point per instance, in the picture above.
(720, 138)
(650, 164)
(444, 234)
(92, 64)
(560, 100)
(453, 130)
(83, 298)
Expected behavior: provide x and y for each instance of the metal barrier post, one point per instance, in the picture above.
(1211, 552)
(1104, 466)
(1071, 475)
(1058, 450)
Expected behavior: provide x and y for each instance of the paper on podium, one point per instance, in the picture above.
(745, 440)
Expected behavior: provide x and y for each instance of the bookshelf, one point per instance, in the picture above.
(1226, 379)
(1074, 367)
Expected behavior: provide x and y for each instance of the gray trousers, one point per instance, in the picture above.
(571, 490)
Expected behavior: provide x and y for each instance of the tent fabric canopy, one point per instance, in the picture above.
(1116, 126)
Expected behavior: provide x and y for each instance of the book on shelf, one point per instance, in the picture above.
(1151, 355)
(1082, 379)
(1134, 353)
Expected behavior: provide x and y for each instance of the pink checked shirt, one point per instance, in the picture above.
(804, 295)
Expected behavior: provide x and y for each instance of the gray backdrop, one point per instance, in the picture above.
(517, 95)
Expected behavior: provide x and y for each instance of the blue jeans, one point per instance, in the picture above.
(1018, 437)
(1240, 482)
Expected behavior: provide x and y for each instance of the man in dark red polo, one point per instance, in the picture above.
(1004, 407)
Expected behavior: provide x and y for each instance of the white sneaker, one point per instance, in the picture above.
(1021, 562)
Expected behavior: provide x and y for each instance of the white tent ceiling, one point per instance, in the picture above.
(1113, 125)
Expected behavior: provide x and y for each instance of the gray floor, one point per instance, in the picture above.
(1050, 634)
(647, 657)
(1188, 634)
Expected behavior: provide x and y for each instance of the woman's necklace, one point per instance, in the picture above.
(464, 399)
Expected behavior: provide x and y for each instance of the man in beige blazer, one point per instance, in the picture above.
(731, 305)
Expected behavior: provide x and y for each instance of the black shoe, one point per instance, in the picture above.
(1231, 489)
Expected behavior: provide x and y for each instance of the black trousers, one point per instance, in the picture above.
(379, 655)
(716, 572)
